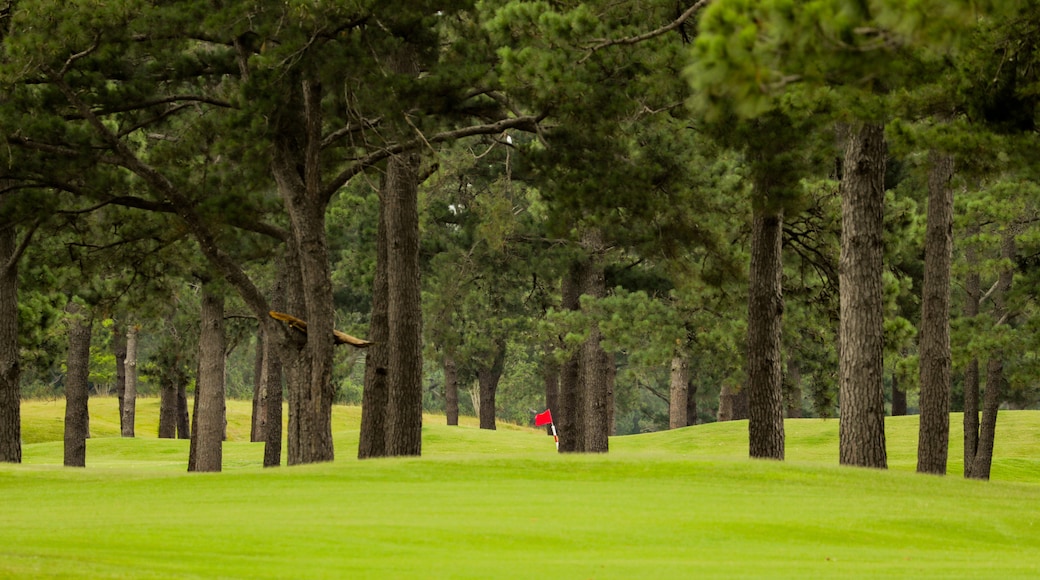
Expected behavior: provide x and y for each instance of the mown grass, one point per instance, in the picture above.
(479, 504)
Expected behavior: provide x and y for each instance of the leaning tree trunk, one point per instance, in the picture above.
(487, 379)
(592, 370)
(678, 392)
(983, 460)
(451, 390)
(130, 393)
(933, 439)
(10, 368)
(404, 308)
(861, 330)
(372, 441)
(765, 312)
(76, 393)
(258, 413)
(207, 437)
(973, 297)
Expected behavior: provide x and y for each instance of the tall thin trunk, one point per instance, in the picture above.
(678, 385)
(258, 413)
(207, 437)
(183, 428)
(451, 390)
(570, 421)
(765, 313)
(983, 461)
(298, 145)
(272, 420)
(973, 292)
(119, 351)
(76, 393)
(372, 441)
(933, 439)
(592, 360)
(10, 365)
(130, 393)
(861, 332)
(404, 309)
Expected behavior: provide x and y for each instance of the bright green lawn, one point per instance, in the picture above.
(680, 504)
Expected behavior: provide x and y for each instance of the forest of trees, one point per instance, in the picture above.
(642, 214)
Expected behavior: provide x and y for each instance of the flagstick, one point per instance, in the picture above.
(555, 438)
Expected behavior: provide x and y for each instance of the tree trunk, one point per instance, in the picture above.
(765, 313)
(298, 146)
(372, 442)
(592, 371)
(898, 397)
(973, 297)
(678, 385)
(570, 421)
(10, 358)
(861, 332)
(404, 308)
(258, 413)
(793, 396)
(451, 390)
(487, 378)
(933, 441)
(76, 392)
(272, 406)
(741, 405)
(119, 351)
(130, 394)
(207, 437)
(725, 412)
(983, 460)
(183, 428)
(167, 403)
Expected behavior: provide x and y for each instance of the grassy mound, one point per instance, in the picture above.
(480, 504)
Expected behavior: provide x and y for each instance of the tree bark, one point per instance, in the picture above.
(298, 146)
(374, 399)
(207, 437)
(451, 390)
(678, 390)
(570, 422)
(167, 403)
(898, 397)
(488, 377)
(404, 308)
(592, 371)
(258, 413)
(983, 461)
(119, 351)
(861, 332)
(933, 440)
(130, 393)
(972, 300)
(76, 390)
(10, 358)
(765, 314)
(183, 427)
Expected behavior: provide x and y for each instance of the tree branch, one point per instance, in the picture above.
(17, 255)
(679, 21)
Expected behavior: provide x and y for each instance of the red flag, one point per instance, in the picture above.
(543, 418)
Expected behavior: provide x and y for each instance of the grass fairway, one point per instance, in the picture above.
(680, 504)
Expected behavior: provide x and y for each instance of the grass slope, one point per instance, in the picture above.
(479, 504)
